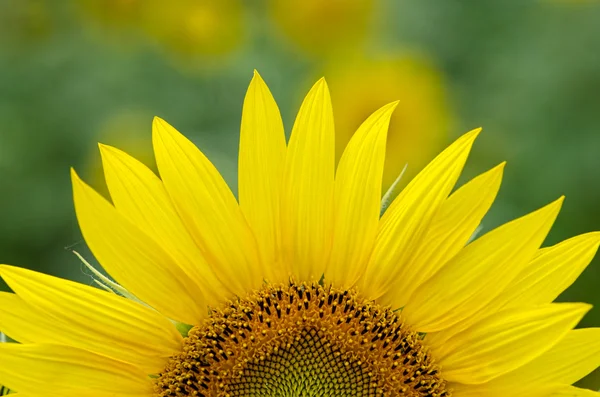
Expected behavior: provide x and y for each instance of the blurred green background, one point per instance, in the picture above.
(76, 72)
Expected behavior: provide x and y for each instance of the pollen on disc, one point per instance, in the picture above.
(302, 340)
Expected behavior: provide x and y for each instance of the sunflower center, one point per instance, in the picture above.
(302, 340)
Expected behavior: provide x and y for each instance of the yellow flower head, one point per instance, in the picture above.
(193, 27)
(25, 22)
(111, 13)
(184, 27)
(300, 288)
(322, 27)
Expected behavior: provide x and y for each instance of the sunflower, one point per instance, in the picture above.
(301, 288)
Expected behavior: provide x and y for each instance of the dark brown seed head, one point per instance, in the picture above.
(302, 340)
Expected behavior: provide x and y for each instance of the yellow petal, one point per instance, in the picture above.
(458, 218)
(260, 172)
(357, 199)
(53, 310)
(572, 391)
(57, 368)
(506, 341)
(407, 219)
(134, 259)
(572, 358)
(307, 195)
(208, 209)
(479, 272)
(140, 196)
(462, 390)
(552, 271)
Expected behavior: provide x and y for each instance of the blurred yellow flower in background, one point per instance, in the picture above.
(185, 27)
(420, 124)
(192, 27)
(111, 13)
(24, 21)
(321, 27)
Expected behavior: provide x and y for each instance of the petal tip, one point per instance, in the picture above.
(384, 114)
(468, 138)
(594, 236)
(321, 85)
(161, 130)
(257, 84)
(551, 210)
(390, 107)
(106, 150)
(74, 176)
(80, 188)
(475, 132)
(499, 169)
(577, 306)
(158, 124)
(319, 92)
(559, 201)
(581, 309)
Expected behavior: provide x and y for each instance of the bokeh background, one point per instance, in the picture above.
(73, 73)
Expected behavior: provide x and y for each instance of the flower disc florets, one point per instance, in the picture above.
(302, 340)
